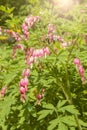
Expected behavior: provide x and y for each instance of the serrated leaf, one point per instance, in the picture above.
(69, 120)
(48, 106)
(69, 108)
(61, 103)
(83, 123)
(72, 128)
(22, 119)
(9, 78)
(62, 126)
(44, 113)
(53, 124)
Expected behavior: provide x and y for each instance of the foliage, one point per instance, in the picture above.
(56, 97)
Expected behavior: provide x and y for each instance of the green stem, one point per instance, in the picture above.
(67, 93)
(66, 89)
(69, 99)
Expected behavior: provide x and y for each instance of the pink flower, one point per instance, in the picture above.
(41, 52)
(64, 44)
(22, 90)
(58, 38)
(37, 18)
(24, 82)
(46, 50)
(81, 70)
(34, 54)
(24, 27)
(13, 34)
(50, 37)
(38, 96)
(51, 28)
(3, 91)
(26, 72)
(30, 21)
(18, 39)
(55, 37)
(26, 34)
(20, 46)
(31, 60)
(76, 61)
(38, 53)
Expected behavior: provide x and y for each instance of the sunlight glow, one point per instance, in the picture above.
(65, 4)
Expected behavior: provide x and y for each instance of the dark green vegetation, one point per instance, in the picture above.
(56, 44)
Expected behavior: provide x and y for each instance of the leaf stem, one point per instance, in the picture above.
(66, 89)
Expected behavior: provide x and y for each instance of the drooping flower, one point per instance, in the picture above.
(80, 69)
(26, 73)
(24, 82)
(38, 97)
(77, 61)
(22, 90)
(13, 34)
(23, 87)
(46, 51)
(51, 28)
(3, 91)
(30, 61)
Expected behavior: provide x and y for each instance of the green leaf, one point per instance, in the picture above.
(69, 120)
(5, 107)
(44, 113)
(72, 128)
(83, 123)
(9, 78)
(48, 106)
(61, 103)
(22, 119)
(62, 126)
(53, 124)
(69, 108)
(6, 10)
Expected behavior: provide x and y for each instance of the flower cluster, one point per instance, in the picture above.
(23, 84)
(53, 37)
(34, 54)
(13, 34)
(80, 69)
(30, 20)
(29, 23)
(25, 31)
